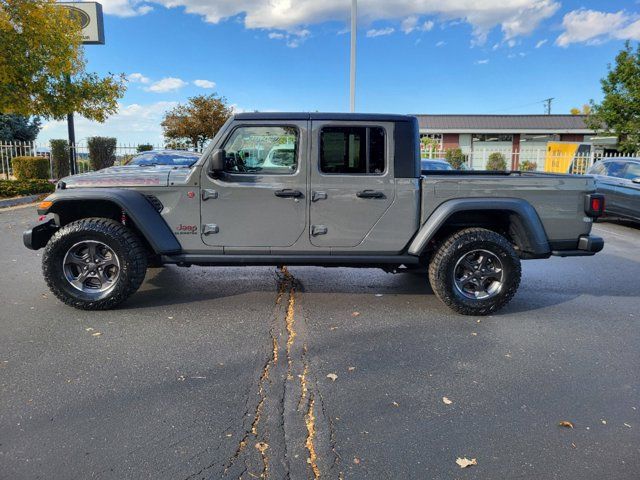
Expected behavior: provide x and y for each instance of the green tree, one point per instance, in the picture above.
(42, 65)
(18, 128)
(198, 121)
(619, 112)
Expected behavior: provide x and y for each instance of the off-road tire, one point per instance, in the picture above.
(443, 263)
(124, 243)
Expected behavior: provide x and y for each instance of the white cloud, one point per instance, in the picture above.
(514, 17)
(166, 85)
(482, 62)
(125, 8)
(138, 78)
(441, 43)
(541, 43)
(204, 83)
(133, 124)
(380, 32)
(593, 27)
(292, 39)
(410, 24)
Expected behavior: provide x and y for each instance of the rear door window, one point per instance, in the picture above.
(352, 150)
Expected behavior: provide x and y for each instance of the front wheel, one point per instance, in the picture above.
(475, 271)
(94, 263)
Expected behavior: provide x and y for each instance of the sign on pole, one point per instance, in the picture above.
(89, 16)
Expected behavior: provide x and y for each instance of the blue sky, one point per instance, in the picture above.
(414, 56)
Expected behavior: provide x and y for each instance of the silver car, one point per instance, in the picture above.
(619, 180)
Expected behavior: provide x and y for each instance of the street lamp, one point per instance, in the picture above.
(354, 15)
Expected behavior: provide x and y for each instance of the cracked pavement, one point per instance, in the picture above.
(213, 373)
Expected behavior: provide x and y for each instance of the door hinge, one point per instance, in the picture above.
(318, 196)
(207, 194)
(318, 230)
(210, 228)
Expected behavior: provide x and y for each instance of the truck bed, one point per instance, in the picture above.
(558, 199)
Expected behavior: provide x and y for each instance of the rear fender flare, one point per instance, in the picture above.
(136, 206)
(528, 219)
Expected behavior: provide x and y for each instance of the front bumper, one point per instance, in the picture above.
(38, 236)
(587, 245)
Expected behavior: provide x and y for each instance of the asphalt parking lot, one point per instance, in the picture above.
(322, 373)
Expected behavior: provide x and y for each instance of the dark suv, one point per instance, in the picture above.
(619, 180)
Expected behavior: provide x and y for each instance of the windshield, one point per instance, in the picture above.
(176, 159)
(436, 166)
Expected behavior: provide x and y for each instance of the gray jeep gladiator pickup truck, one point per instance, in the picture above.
(311, 189)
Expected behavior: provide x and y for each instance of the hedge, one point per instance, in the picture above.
(496, 162)
(60, 158)
(28, 168)
(102, 152)
(16, 188)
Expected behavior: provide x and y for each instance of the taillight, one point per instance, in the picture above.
(594, 205)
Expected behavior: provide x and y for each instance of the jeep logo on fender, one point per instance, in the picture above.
(186, 229)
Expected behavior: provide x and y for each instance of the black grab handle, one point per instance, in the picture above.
(370, 194)
(288, 193)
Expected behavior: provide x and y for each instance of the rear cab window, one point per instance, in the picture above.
(352, 150)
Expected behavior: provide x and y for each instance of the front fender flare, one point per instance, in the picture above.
(140, 210)
(536, 237)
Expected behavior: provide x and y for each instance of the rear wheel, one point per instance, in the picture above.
(475, 271)
(94, 263)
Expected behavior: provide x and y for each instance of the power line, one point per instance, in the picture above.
(547, 107)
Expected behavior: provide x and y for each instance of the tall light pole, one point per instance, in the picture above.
(352, 79)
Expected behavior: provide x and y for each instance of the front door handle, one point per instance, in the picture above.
(370, 194)
(288, 193)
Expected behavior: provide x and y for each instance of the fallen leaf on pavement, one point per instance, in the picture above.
(627, 425)
(395, 404)
(565, 423)
(604, 422)
(355, 314)
(96, 334)
(356, 461)
(446, 401)
(465, 462)
(351, 369)
(89, 329)
(332, 376)
(170, 318)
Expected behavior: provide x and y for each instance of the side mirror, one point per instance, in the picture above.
(216, 161)
(636, 180)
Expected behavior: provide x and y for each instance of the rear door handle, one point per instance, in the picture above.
(288, 193)
(370, 194)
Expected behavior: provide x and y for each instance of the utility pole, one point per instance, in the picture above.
(352, 79)
(547, 105)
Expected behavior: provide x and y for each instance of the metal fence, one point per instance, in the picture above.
(533, 159)
(10, 150)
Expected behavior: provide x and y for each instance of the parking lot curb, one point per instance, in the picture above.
(16, 201)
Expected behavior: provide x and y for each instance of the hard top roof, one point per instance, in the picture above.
(362, 117)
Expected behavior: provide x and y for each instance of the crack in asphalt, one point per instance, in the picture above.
(289, 416)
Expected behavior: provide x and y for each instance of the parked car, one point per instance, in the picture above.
(351, 194)
(174, 158)
(434, 164)
(619, 180)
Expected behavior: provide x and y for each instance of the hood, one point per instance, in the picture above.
(123, 176)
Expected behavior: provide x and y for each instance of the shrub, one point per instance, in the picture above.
(496, 162)
(528, 166)
(455, 157)
(15, 188)
(27, 168)
(145, 147)
(60, 158)
(102, 152)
